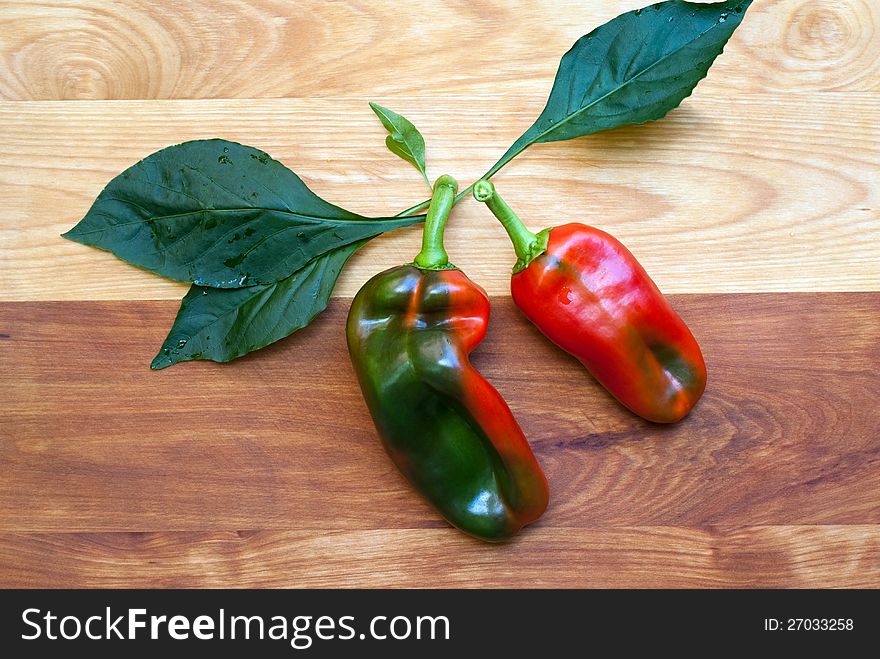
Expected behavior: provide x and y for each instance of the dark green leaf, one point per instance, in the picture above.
(222, 324)
(219, 214)
(404, 139)
(634, 69)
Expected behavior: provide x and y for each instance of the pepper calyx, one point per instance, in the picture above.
(535, 249)
(445, 266)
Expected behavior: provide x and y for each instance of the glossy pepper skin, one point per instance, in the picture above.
(589, 295)
(448, 430)
(410, 331)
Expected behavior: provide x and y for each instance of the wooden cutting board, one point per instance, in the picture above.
(755, 205)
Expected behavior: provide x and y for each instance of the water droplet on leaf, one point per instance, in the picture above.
(181, 343)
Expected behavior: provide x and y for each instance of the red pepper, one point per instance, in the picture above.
(587, 293)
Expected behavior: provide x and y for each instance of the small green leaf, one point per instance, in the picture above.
(404, 139)
(222, 324)
(634, 69)
(219, 214)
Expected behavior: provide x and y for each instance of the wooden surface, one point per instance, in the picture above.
(267, 471)
(691, 196)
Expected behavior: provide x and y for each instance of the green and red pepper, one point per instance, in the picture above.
(410, 332)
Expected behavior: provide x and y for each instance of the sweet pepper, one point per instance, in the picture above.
(410, 331)
(589, 295)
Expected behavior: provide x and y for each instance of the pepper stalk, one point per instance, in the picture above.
(527, 245)
(433, 255)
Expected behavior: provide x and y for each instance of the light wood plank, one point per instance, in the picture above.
(91, 440)
(144, 49)
(765, 194)
(637, 557)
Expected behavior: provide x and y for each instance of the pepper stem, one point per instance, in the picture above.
(433, 255)
(526, 244)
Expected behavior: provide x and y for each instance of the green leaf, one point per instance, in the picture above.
(219, 214)
(634, 69)
(222, 324)
(404, 139)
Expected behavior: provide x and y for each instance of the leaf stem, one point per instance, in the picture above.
(427, 181)
(414, 210)
(509, 155)
(433, 255)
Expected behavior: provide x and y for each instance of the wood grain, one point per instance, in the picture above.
(267, 471)
(148, 49)
(637, 557)
(279, 445)
(702, 206)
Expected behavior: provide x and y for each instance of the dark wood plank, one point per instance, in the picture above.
(780, 556)
(92, 440)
